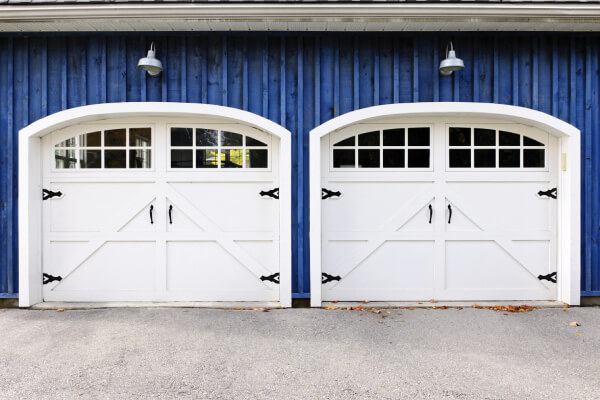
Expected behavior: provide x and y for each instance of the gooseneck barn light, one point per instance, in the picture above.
(150, 63)
(451, 63)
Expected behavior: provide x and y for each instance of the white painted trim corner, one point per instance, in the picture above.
(569, 237)
(30, 199)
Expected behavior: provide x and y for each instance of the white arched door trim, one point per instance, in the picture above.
(30, 189)
(569, 239)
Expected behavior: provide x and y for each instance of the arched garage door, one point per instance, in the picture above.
(438, 207)
(161, 209)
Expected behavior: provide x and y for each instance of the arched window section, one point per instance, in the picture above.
(201, 147)
(470, 147)
(120, 148)
(398, 148)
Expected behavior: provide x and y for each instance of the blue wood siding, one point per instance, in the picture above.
(299, 81)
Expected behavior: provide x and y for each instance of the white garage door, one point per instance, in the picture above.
(451, 211)
(160, 211)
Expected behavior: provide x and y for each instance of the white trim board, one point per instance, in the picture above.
(569, 240)
(537, 16)
(30, 199)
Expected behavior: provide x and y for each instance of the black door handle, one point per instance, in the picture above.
(151, 209)
(449, 213)
(170, 209)
(430, 213)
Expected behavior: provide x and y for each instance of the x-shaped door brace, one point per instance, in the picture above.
(140, 202)
(405, 214)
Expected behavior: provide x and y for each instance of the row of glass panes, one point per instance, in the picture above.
(224, 158)
(378, 158)
(398, 137)
(481, 137)
(496, 158)
(138, 137)
(68, 159)
(185, 137)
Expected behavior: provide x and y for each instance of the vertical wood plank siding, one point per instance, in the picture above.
(300, 81)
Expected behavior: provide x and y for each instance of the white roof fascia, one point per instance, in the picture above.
(338, 17)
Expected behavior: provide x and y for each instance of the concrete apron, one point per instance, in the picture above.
(53, 305)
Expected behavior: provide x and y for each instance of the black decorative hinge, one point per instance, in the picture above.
(550, 277)
(48, 194)
(326, 193)
(274, 193)
(271, 278)
(550, 193)
(49, 278)
(325, 277)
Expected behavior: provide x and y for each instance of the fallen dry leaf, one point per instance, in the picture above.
(335, 301)
(331, 308)
(443, 307)
(376, 311)
(411, 308)
(566, 306)
(5, 310)
(579, 334)
(357, 308)
(61, 310)
(475, 305)
(513, 308)
(266, 310)
(574, 323)
(505, 313)
(389, 312)
(365, 301)
(432, 301)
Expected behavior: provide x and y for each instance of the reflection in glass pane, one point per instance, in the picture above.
(181, 137)
(460, 137)
(90, 158)
(181, 159)
(253, 142)
(115, 138)
(92, 139)
(65, 159)
(66, 143)
(484, 137)
(368, 139)
(232, 158)
(140, 137)
(346, 142)
(485, 158)
(509, 139)
(393, 137)
(115, 159)
(460, 158)
(533, 158)
(343, 159)
(257, 159)
(509, 158)
(207, 137)
(418, 137)
(368, 158)
(139, 158)
(418, 158)
(393, 158)
(207, 158)
(527, 141)
(231, 139)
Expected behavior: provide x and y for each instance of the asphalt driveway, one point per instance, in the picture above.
(195, 353)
